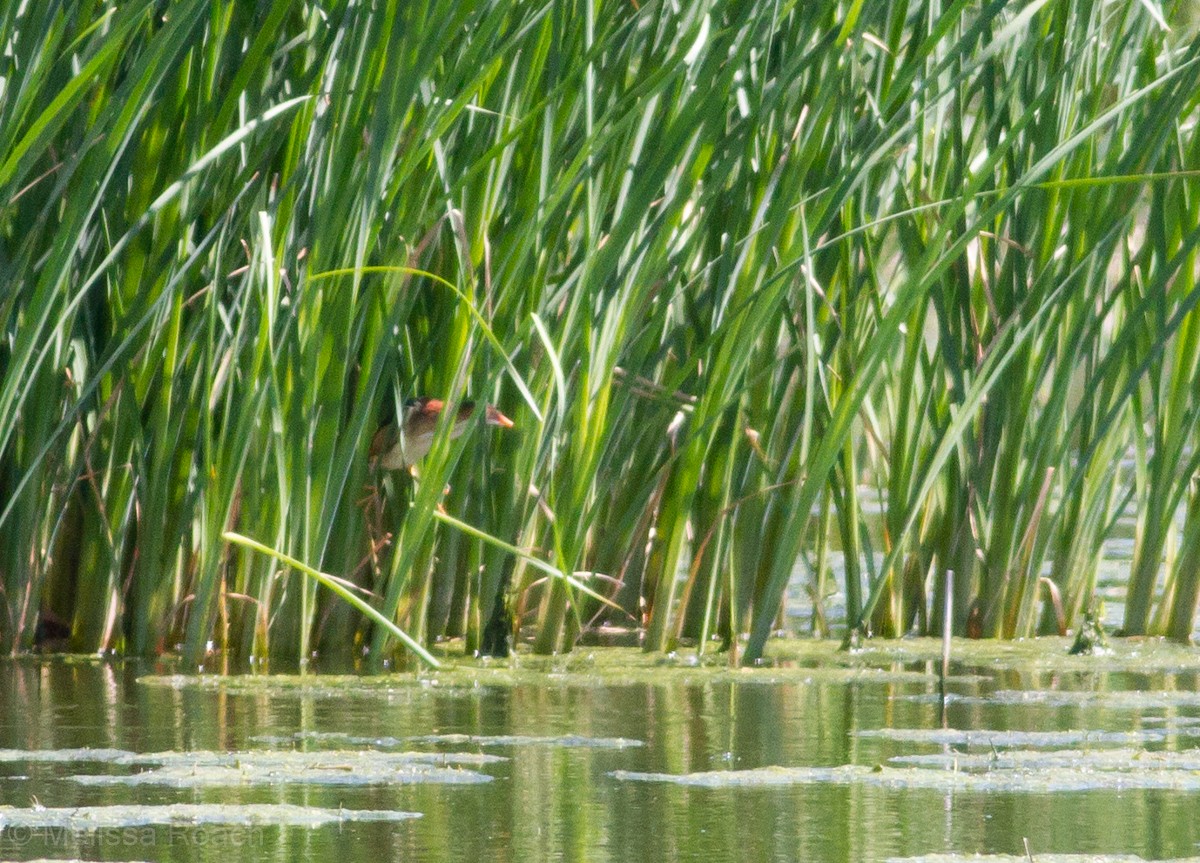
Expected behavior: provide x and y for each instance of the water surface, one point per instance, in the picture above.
(608, 754)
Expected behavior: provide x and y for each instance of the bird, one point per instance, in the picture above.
(397, 448)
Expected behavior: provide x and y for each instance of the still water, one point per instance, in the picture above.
(611, 755)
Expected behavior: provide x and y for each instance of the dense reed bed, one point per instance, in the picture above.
(726, 264)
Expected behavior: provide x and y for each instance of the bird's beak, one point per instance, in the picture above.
(495, 418)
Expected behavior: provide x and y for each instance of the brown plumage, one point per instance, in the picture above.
(396, 450)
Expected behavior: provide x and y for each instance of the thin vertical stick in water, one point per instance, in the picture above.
(947, 629)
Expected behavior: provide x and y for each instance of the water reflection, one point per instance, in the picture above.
(583, 757)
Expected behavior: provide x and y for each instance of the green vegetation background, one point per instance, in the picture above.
(724, 263)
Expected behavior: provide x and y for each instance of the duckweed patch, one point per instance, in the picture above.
(87, 818)
(202, 758)
(791, 660)
(1049, 653)
(565, 740)
(1124, 760)
(804, 661)
(302, 768)
(1005, 739)
(337, 738)
(1132, 700)
(322, 767)
(1039, 781)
